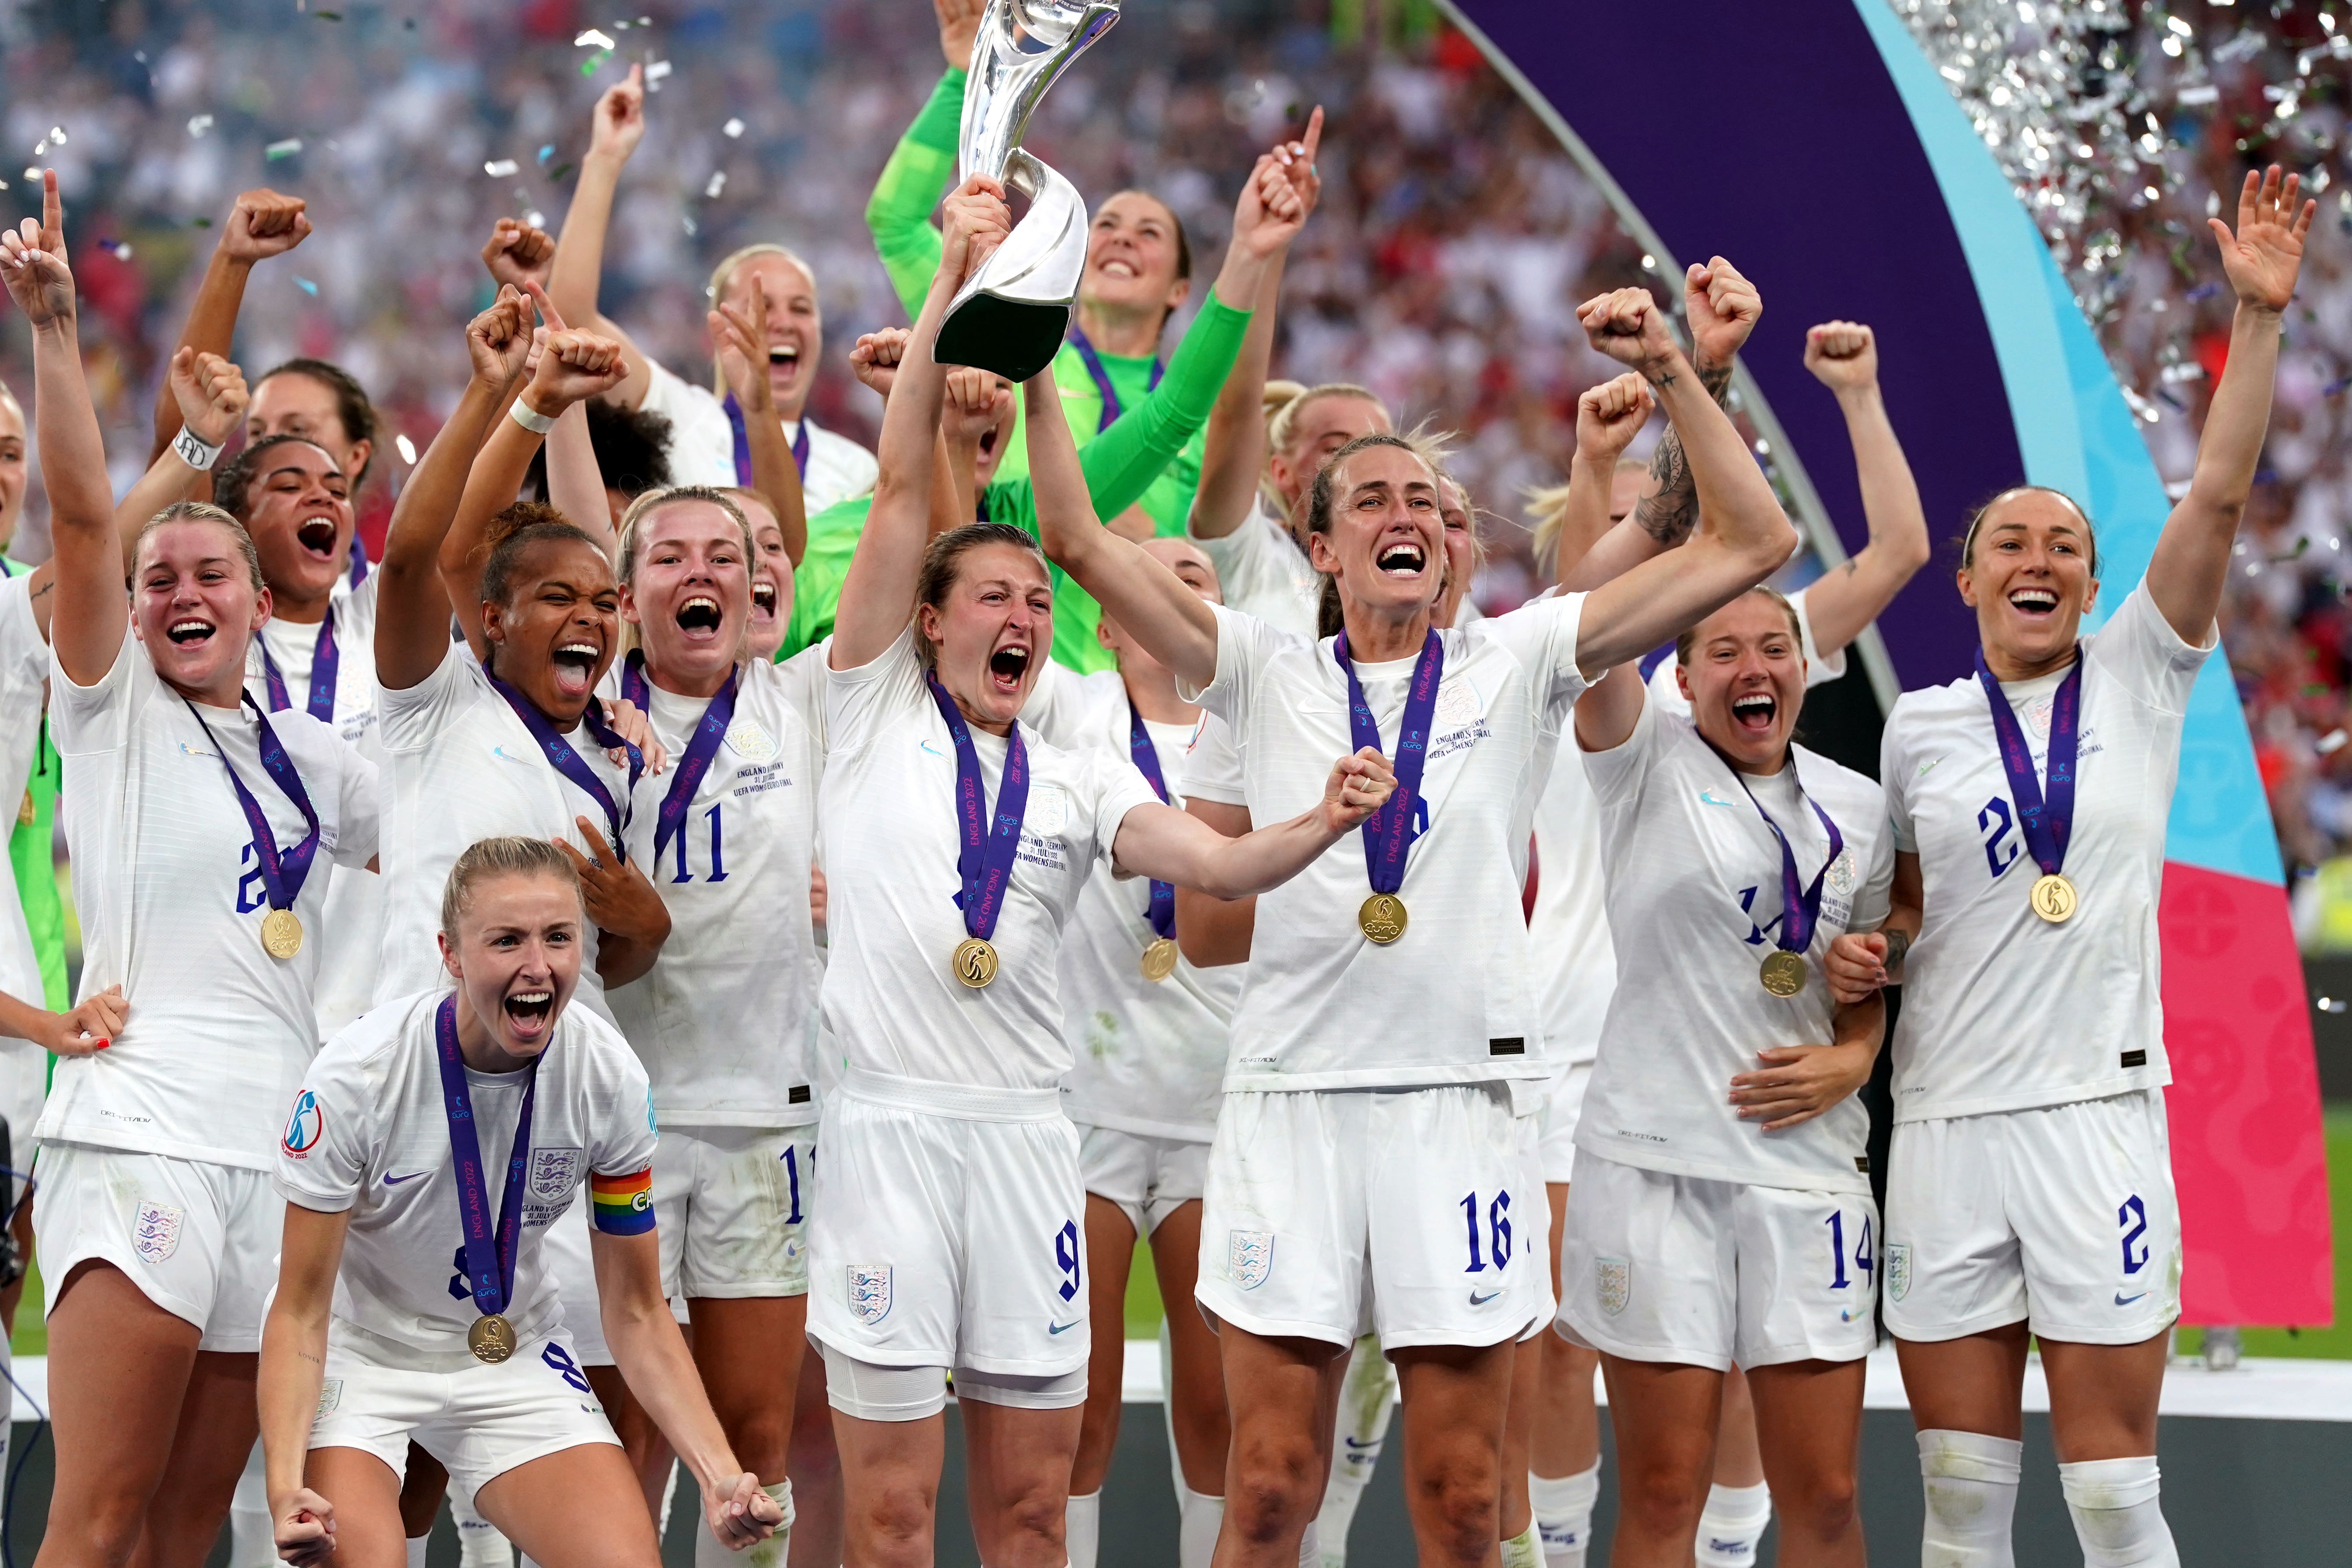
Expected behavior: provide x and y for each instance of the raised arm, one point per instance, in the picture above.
(293, 1367)
(1747, 537)
(1843, 356)
(1608, 417)
(1174, 624)
(211, 396)
(2192, 554)
(90, 610)
(877, 595)
(742, 339)
(616, 128)
(412, 629)
(898, 213)
(1171, 845)
(262, 224)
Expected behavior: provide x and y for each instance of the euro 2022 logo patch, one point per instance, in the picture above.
(1249, 1256)
(869, 1291)
(304, 1127)
(1613, 1281)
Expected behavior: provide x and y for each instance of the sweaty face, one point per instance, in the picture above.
(692, 596)
(795, 325)
(12, 468)
(1131, 256)
(300, 518)
(554, 638)
(1746, 681)
(517, 956)
(194, 607)
(992, 630)
(1386, 542)
(2029, 578)
(293, 403)
(1318, 430)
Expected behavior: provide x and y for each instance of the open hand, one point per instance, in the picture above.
(1609, 416)
(264, 223)
(619, 122)
(89, 1026)
(1856, 965)
(741, 1513)
(2262, 257)
(33, 261)
(1798, 1083)
(1627, 325)
(959, 29)
(741, 336)
(211, 393)
(1359, 785)
(973, 221)
(874, 360)
(1722, 308)
(628, 720)
(498, 340)
(518, 254)
(303, 1524)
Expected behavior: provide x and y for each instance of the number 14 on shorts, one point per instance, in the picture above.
(1863, 1260)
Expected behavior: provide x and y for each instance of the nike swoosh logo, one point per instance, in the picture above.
(1478, 1300)
(506, 756)
(1925, 765)
(1711, 798)
(1353, 1444)
(2124, 1301)
(1057, 1328)
(933, 749)
(391, 1181)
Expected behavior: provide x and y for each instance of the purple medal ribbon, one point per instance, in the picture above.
(569, 762)
(685, 776)
(1161, 910)
(490, 1246)
(325, 660)
(2047, 819)
(282, 874)
(1801, 904)
(1388, 831)
(1112, 407)
(359, 560)
(984, 865)
(743, 444)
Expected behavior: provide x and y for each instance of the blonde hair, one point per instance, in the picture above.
(724, 274)
(1547, 509)
(1282, 422)
(487, 859)
(204, 511)
(626, 545)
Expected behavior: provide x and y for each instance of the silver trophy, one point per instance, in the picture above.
(1009, 316)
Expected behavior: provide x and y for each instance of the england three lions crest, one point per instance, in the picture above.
(554, 1172)
(1898, 1270)
(155, 1233)
(869, 1291)
(1613, 1281)
(1249, 1256)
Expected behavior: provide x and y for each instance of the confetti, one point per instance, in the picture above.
(2330, 1003)
(690, 231)
(286, 149)
(307, 287)
(499, 168)
(58, 135)
(718, 183)
(328, 15)
(559, 172)
(545, 153)
(406, 448)
(731, 130)
(33, 174)
(589, 65)
(657, 70)
(536, 219)
(115, 248)
(201, 222)
(593, 38)
(200, 124)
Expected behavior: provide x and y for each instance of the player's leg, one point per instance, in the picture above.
(1200, 1426)
(575, 1508)
(1565, 1482)
(1738, 1505)
(1367, 1396)
(814, 1464)
(217, 1425)
(1454, 1400)
(1019, 1434)
(2103, 1401)
(889, 1462)
(119, 1365)
(1522, 1546)
(1282, 1393)
(748, 1349)
(1114, 1166)
(369, 1530)
(1665, 1416)
(1806, 1416)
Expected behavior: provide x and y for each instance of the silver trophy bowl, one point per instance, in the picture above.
(1009, 316)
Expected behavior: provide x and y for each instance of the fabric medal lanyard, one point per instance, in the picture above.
(1111, 406)
(1388, 831)
(571, 764)
(325, 660)
(687, 776)
(490, 1245)
(743, 444)
(1158, 953)
(2045, 816)
(282, 873)
(1783, 972)
(984, 863)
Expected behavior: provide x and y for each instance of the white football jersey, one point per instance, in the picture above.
(1453, 999)
(725, 1020)
(1146, 1055)
(350, 940)
(1696, 904)
(1262, 572)
(702, 445)
(367, 1134)
(24, 666)
(462, 767)
(2002, 1010)
(169, 888)
(894, 917)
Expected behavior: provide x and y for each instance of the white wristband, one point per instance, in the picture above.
(194, 451)
(538, 423)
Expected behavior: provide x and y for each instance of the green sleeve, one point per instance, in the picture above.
(824, 566)
(1076, 613)
(1121, 463)
(898, 213)
(30, 854)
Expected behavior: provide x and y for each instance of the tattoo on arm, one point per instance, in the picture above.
(44, 587)
(1899, 942)
(1669, 505)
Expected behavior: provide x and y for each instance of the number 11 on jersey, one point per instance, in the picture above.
(717, 872)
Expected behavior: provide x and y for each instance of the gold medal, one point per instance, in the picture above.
(974, 962)
(491, 1339)
(1783, 972)
(2054, 899)
(281, 933)
(25, 811)
(1158, 959)
(1382, 918)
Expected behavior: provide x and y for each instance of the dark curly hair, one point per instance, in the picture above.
(233, 480)
(632, 447)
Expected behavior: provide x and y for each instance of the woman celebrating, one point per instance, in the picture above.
(373, 1340)
(2030, 1187)
(947, 1234)
(200, 829)
(1313, 1192)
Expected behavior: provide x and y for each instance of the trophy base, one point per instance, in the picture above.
(1014, 338)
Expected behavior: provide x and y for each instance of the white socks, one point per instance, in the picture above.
(1366, 1403)
(416, 1545)
(708, 1553)
(1310, 1546)
(1523, 1550)
(1082, 1528)
(2116, 1515)
(1198, 1517)
(1972, 1486)
(1732, 1526)
(1563, 1506)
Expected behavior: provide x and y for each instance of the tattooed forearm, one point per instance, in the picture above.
(1669, 509)
(1899, 942)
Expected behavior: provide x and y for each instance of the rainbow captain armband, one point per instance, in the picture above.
(624, 1205)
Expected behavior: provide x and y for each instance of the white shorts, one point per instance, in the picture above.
(1146, 1177)
(1662, 1268)
(199, 1240)
(563, 1255)
(1334, 1214)
(2062, 1216)
(479, 1421)
(1535, 1229)
(947, 1241)
(730, 1206)
(1562, 1113)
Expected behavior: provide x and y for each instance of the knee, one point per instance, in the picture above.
(111, 1531)
(1277, 1485)
(761, 1440)
(1665, 1499)
(1461, 1507)
(1039, 1513)
(1823, 1507)
(896, 1518)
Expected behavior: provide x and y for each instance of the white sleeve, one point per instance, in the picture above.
(1213, 766)
(858, 702)
(1118, 788)
(1055, 712)
(1245, 644)
(803, 681)
(2138, 647)
(1820, 668)
(1870, 899)
(625, 1130)
(1895, 777)
(357, 818)
(86, 721)
(410, 719)
(1543, 633)
(330, 1130)
(1617, 774)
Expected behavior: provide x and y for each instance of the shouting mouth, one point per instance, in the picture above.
(575, 667)
(317, 535)
(698, 617)
(1754, 712)
(189, 632)
(1006, 667)
(527, 1013)
(1402, 558)
(763, 600)
(2034, 603)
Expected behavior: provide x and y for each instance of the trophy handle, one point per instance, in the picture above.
(1009, 316)
(1021, 51)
